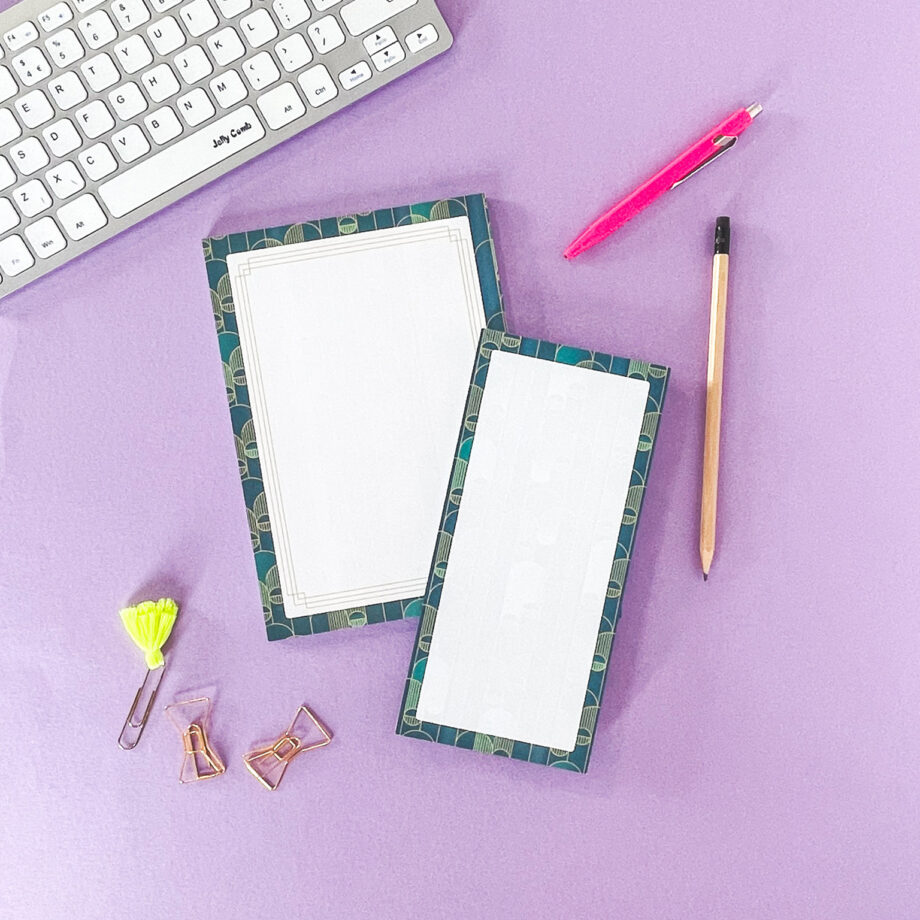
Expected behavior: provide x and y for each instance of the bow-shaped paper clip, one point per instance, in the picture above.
(267, 764)
(199, 759)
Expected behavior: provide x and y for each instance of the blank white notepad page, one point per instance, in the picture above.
(530, 559)
(358, 352)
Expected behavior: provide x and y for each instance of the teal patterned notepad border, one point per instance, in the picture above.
(216, 250)
(577, 760)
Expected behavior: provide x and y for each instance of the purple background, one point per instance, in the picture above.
(758, 751)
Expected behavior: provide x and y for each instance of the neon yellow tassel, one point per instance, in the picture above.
(149, 625)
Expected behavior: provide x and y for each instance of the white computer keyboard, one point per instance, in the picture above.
(109, 111)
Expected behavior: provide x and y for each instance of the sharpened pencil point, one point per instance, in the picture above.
(705, 576)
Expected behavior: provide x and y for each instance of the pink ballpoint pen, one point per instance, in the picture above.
(694, 158)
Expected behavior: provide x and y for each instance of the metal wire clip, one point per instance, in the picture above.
(199, 759)
(268, 764)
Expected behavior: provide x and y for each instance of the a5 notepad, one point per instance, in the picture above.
(536, 535)
(346, 346)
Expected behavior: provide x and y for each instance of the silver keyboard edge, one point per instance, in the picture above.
(424, 12)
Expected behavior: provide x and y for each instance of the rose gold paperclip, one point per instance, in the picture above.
(199, 759)
(267, 764)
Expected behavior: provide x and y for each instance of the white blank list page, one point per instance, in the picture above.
(357, 352)
(535, 537)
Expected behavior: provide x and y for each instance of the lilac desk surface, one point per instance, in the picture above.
(758, 752)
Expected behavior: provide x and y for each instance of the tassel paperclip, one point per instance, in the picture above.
(149, 625)
(199, 759)
(268, 764)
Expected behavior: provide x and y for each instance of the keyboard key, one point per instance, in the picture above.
(163, 124)
(195, 107)
(193, 64)
(160, 83)
(127, 101)
(65, 180)
(97, 161)
(15, 257)
(356, 75)
(161, 6)
(9, 216)
(199, 17)
(9, 127)
(383, 60)
(67, 90)
(421, 38)
(260, 71)
(94, 119)
(378, 40)
(228, 89)
(360, 16)
(326, 34)
(318, 86)
(130, 144)
(34, 108)
(62, 137)
(45, 237)
(55, 16)
(97, 29)
(293, 52)
(166, 35)
(20, 36)
(230, 8)
(281, 105)
(291, 13)
(133, 54)
(82, 217)
(325, 4)
(64, 47)
(32, 198)
(31, 66)
(84, 6)
(7, 176)
(226, 46)
(100, 72)
(29, 156)
(258, 28)
(184, 160)
(8, 85)
(130, 13)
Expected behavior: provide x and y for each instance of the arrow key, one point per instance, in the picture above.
(421, 38)
(356, 75)
(379, 40)
(385, 59)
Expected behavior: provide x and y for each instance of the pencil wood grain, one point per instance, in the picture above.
(713, 411)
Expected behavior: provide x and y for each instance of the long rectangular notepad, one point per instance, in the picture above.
(346, 346)
(536, 534)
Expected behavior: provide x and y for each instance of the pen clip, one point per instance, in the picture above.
(722, 143)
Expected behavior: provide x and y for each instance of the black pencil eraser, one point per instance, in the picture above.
(723, 235)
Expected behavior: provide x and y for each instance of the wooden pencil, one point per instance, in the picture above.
(714, 394)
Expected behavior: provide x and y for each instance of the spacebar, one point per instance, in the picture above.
(181, 162)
